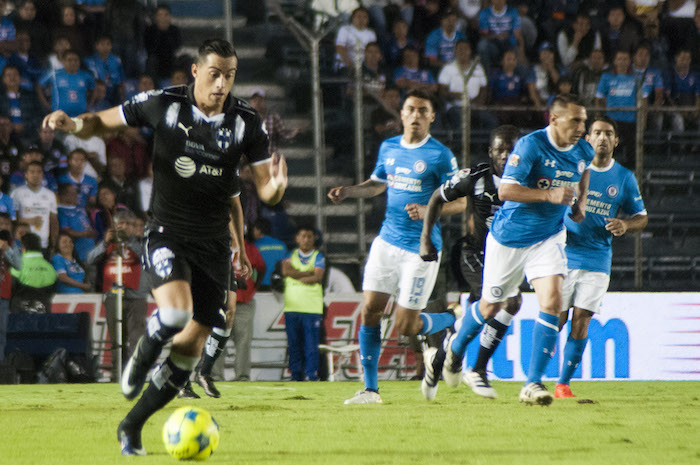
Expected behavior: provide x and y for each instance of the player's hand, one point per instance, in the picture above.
(415, 211)
(562, 195)
(427, 250)
(245, 266)
(578, 212)
(616, 226)
(337, 195)
(278, 171)
(59, 120)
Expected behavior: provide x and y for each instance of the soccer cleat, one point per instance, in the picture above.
(479, 383)
(535, 393)
(187, 392)
(207, 384)
(134, 375)
(433, 359)
(364, 397)
(130, 440)
(452, 367)
(563, 391)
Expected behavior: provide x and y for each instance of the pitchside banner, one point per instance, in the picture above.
(637, 336)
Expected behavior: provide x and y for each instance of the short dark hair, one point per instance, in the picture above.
(36, 163)
(70, 51)
(264, 225)
(5, 215)
(102, 37)
(220, 47)
(643, 44)
(31, 242)
(16, 68)
(163, 6)
(506, 132)
(358, 10)
(565, 99)
(306, 227)
(605, 119)
(77, 150)
(417, 93)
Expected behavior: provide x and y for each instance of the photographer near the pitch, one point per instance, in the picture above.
(122, 239)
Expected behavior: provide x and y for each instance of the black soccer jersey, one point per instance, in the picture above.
(481, 186)
(195, 157)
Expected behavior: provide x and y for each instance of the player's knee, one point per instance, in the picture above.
(488, 309)
(408, 326)
(167, 322)
(513, 304)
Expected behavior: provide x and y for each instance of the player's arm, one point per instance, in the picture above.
(427, 250)
(236, 227)
(365, 190)
(578, 209)
(87, 124)
(316, 277)
(417, 211)
(271, 179)
(517, 193)
(289, 271)
(618, 226)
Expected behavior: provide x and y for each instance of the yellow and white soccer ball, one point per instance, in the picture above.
(191, 433)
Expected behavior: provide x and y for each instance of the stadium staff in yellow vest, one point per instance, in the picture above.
(303, 305)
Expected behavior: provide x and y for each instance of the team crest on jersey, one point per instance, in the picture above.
(185, 167)
(162, 260)
(514, 160)
(419, 166)
(612, 191)
(581, 166)
(496, 291)
(224, 137)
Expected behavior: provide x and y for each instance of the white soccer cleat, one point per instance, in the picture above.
(364, 397)
(452, 369)
(433, 360)
(480, 384)
(535, 393)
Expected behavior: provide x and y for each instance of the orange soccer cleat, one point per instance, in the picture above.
(562, 391)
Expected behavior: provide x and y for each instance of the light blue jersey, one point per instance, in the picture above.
(412, 173)
(536, 162)
(588, 243)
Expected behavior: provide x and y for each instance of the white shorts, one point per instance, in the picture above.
(505, 267)
(584, 289)
(390, 269)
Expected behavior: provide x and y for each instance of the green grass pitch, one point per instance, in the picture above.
(307, 423)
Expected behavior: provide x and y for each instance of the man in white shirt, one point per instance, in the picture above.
(36, 205)
(95, 149)
(347, 36)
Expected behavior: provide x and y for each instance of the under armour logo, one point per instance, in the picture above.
(490, 196)
(550, 163)
(184, 128)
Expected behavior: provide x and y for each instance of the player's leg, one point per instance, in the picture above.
(214, 347)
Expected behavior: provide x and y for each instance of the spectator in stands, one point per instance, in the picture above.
(10, 256)
(85, 184)
(74, 221)
(643, 10)
(528, 26)
(24, 18)
(54, 151)
(410, 76)
(303, 305)
(587, 76)
(451, 80)
(393, 46)
(178, 78)
(32, 153)
(10, 148)
(617, 33)
(509, 86)
(576, 42)
(274, 125)
(127, 191)
(547, 73)
(7, 31)
(70, 273)
(7, 206)
(658, 44)
(130, 145)
(500, 31)
(653, 79)
(162, 40)
(374, 78)
(684, 90)
(440, 43)
(619, 89)
(385, 120)
(36, 205)
(95, 153)
(553, 15)
(60, 45)
(107, 207)
(107, 67)
(68, 87)
(123, 238)
(124, 22)
(28, 65)
(33, 285)
(349, 34)
(426, 18)
(272, 250)
(97, 100)
(71, 29)
(21, 105)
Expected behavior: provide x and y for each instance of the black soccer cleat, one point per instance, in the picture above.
(135, 373)
(207, 384)
(130, 439)
(187, 392)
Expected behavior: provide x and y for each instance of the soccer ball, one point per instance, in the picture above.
(191, 433)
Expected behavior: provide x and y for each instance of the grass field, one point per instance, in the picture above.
(307, 423)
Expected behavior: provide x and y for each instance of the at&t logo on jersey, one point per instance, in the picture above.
(185, 167)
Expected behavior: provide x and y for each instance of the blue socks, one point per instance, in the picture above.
(370, 345)
(472, 322)
(544, 339)
(573, 353)
(435, 322)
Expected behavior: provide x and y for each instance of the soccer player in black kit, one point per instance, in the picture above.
(200, 134)
(479, 185)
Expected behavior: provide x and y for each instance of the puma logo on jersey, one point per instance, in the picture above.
(490, 196)
(184, 128)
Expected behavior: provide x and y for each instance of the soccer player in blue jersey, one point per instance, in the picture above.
(545, 172)
(612, 188)
(409, 168)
